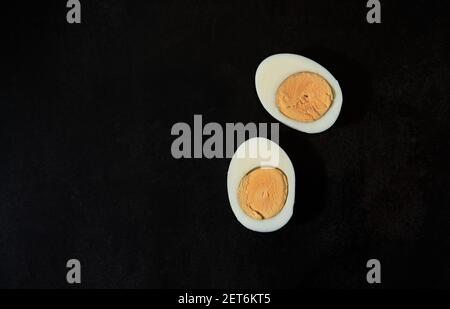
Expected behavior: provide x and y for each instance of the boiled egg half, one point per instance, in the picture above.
(298, 92)
(261, 185)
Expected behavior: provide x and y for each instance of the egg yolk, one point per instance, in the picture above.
(304, 96)
(262, 192)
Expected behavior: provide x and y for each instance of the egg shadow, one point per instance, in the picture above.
(311, 181)
(354, 79)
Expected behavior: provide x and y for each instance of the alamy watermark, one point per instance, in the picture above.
(213, 140)
(73, 16)
(374, 274)
(374, 14)
(74, 274)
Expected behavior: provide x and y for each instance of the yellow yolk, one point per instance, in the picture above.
(262, 192)
(304, 96)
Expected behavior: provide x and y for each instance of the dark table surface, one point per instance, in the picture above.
(86, 170)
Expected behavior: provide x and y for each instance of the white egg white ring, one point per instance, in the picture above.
(241, 164)
(275, 69)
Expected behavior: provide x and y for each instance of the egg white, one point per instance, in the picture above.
(243, 162)
(275, 69)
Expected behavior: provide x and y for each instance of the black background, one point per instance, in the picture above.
(86, 170)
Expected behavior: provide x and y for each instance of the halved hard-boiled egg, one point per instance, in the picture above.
(298, 92)
(261, 185)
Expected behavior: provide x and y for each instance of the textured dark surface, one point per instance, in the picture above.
(86, 170)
